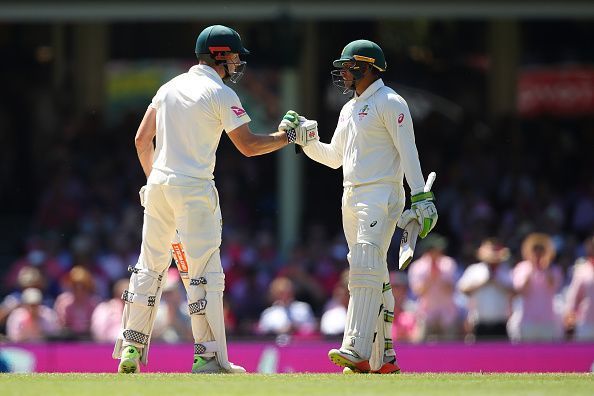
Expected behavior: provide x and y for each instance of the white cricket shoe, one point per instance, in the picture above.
(345, 358)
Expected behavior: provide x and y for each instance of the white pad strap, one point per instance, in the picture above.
(365, 285)
(135, 298)
(205, 347)
(147, 272)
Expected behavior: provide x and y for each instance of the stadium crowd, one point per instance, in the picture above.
(515, 258)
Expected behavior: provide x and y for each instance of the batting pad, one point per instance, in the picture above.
(383, 347)
(208, 324)
(365, 285)
(141, 303)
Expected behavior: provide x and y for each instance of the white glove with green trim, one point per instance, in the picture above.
(306, 132)
(288, 124)
(423, 211)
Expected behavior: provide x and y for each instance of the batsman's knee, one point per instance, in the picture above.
(143, 287)
(366, 267)
(201, 288)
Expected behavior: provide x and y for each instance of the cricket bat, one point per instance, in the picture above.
(408, 242)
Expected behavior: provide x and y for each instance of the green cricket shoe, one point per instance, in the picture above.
(211, 366)
(206, 366)
(130, 361)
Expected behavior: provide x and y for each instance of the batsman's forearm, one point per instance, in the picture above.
(145, 156)
(324, 154)
(264, 144)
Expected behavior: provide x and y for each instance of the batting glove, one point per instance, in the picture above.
(288, 124)
(306, 132)
(423, 211)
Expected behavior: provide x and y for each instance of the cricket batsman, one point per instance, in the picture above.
(187, 116)
(374, 143)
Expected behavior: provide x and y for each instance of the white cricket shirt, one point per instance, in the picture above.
(374, 141)
(192, 111)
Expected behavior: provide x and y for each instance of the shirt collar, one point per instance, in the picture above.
(377, 84)
(206, 70)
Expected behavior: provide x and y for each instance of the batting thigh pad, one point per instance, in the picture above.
(205, 294)
(365, 285)
(141, 303)
(383, 346)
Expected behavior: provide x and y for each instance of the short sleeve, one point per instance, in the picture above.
(158, 98)
(232, 112)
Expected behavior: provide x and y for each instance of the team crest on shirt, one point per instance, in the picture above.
(239, 112)
(363, 112)
(400, 118)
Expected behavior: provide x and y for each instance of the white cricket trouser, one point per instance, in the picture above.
(194, 212)
(366, 204)
(369, 215)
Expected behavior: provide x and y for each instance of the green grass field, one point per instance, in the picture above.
(296, 384)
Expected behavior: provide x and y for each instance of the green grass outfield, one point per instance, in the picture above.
(295, 384)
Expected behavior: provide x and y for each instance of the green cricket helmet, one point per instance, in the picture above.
(220, 42)
(353, 56)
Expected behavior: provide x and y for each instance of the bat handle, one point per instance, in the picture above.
(429, 183)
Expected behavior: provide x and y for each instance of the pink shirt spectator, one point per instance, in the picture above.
(75, 313)
(433, 282)
(107, 320)
(27, 324)
(535, 320)
(537, 288)
(580, 299)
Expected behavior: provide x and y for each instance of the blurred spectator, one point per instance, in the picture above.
(28, 276)
(39, 257)
(488, 285)
(286, 315)
(76, 305)
(32, 321)
(536, 281)
(432, 278)
(579, 316)
(106, 320)
(299, 268)
(334, 317)
(115, 261)
(404, 328)
(172, 323)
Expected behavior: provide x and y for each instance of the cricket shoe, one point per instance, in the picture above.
(349, 359)
(390, 367)
(211, 366)
(129, 361)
